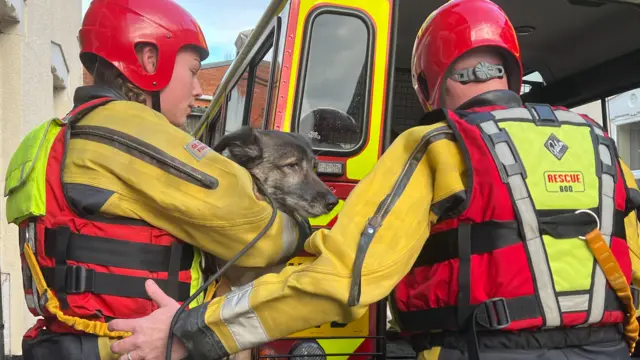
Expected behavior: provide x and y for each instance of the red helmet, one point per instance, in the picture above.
(453, 29)
(112, 28)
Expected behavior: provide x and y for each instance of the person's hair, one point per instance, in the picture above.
(105, 74)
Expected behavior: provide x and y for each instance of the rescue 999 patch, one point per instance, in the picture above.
(197, 149)
(564, 181)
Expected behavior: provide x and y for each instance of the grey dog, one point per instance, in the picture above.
(284, 163)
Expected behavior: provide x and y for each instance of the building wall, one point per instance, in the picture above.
(624, 119)
(592, 109)
(27, 98)
(210, 77)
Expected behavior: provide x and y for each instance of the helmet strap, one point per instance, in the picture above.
(155, 100)
(482, 72)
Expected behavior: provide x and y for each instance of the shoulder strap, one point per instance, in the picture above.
(608, 174)
(80, 111)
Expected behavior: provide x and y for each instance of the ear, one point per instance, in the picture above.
(244, 146)
(148, 56)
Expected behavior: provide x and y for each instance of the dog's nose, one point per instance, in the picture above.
(331, 201)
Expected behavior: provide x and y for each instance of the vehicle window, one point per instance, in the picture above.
(212, 130)
(236, 103)
(334, 98)
(623, 112)
(530, 81)
(260, 89)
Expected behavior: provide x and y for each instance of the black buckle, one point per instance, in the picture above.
(79, 279)
(495, 312)
(606, 168)
(635, 294)
(543, 114)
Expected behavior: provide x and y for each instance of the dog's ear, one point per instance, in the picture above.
(243, 145)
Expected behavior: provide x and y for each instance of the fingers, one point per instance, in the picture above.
(124, 346)
(157, 295)
(132, 355)
(122, 325)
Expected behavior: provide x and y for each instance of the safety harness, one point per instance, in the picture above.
(81, 271)
(525, 218)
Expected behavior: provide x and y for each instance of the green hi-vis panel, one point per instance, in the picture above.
(560, 163)
(25, 178)
(196, 278)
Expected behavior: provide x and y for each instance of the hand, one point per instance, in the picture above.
(149, 339)
(257, 193)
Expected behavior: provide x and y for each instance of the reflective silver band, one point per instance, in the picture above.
(574, 302)
(607, 208)
(243, 323)
(529, 220)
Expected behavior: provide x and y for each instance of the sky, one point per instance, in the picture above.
(221, 21)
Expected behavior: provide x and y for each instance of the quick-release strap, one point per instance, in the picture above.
(53, 306)
(79, 279)
(82, 110)
(618, 282)
(64, 245)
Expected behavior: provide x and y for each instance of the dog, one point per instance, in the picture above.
(284, 163)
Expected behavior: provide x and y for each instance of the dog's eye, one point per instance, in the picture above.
(292, 166)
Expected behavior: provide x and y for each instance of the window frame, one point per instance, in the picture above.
(270, 43)
(282, 22)
(211, 134)
(302, 75)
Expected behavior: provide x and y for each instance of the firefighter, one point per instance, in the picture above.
(116, 193)
(496, 228)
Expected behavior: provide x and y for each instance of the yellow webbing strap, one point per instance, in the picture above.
(53, 305)
(618, 282)
(211, 290)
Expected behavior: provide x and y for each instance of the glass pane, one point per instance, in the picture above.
(334, 99)
(628, 142)
(235, 104)
(260, 91)
(530, 79)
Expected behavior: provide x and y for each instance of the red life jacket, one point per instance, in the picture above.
(511, 255)
(96, 268)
